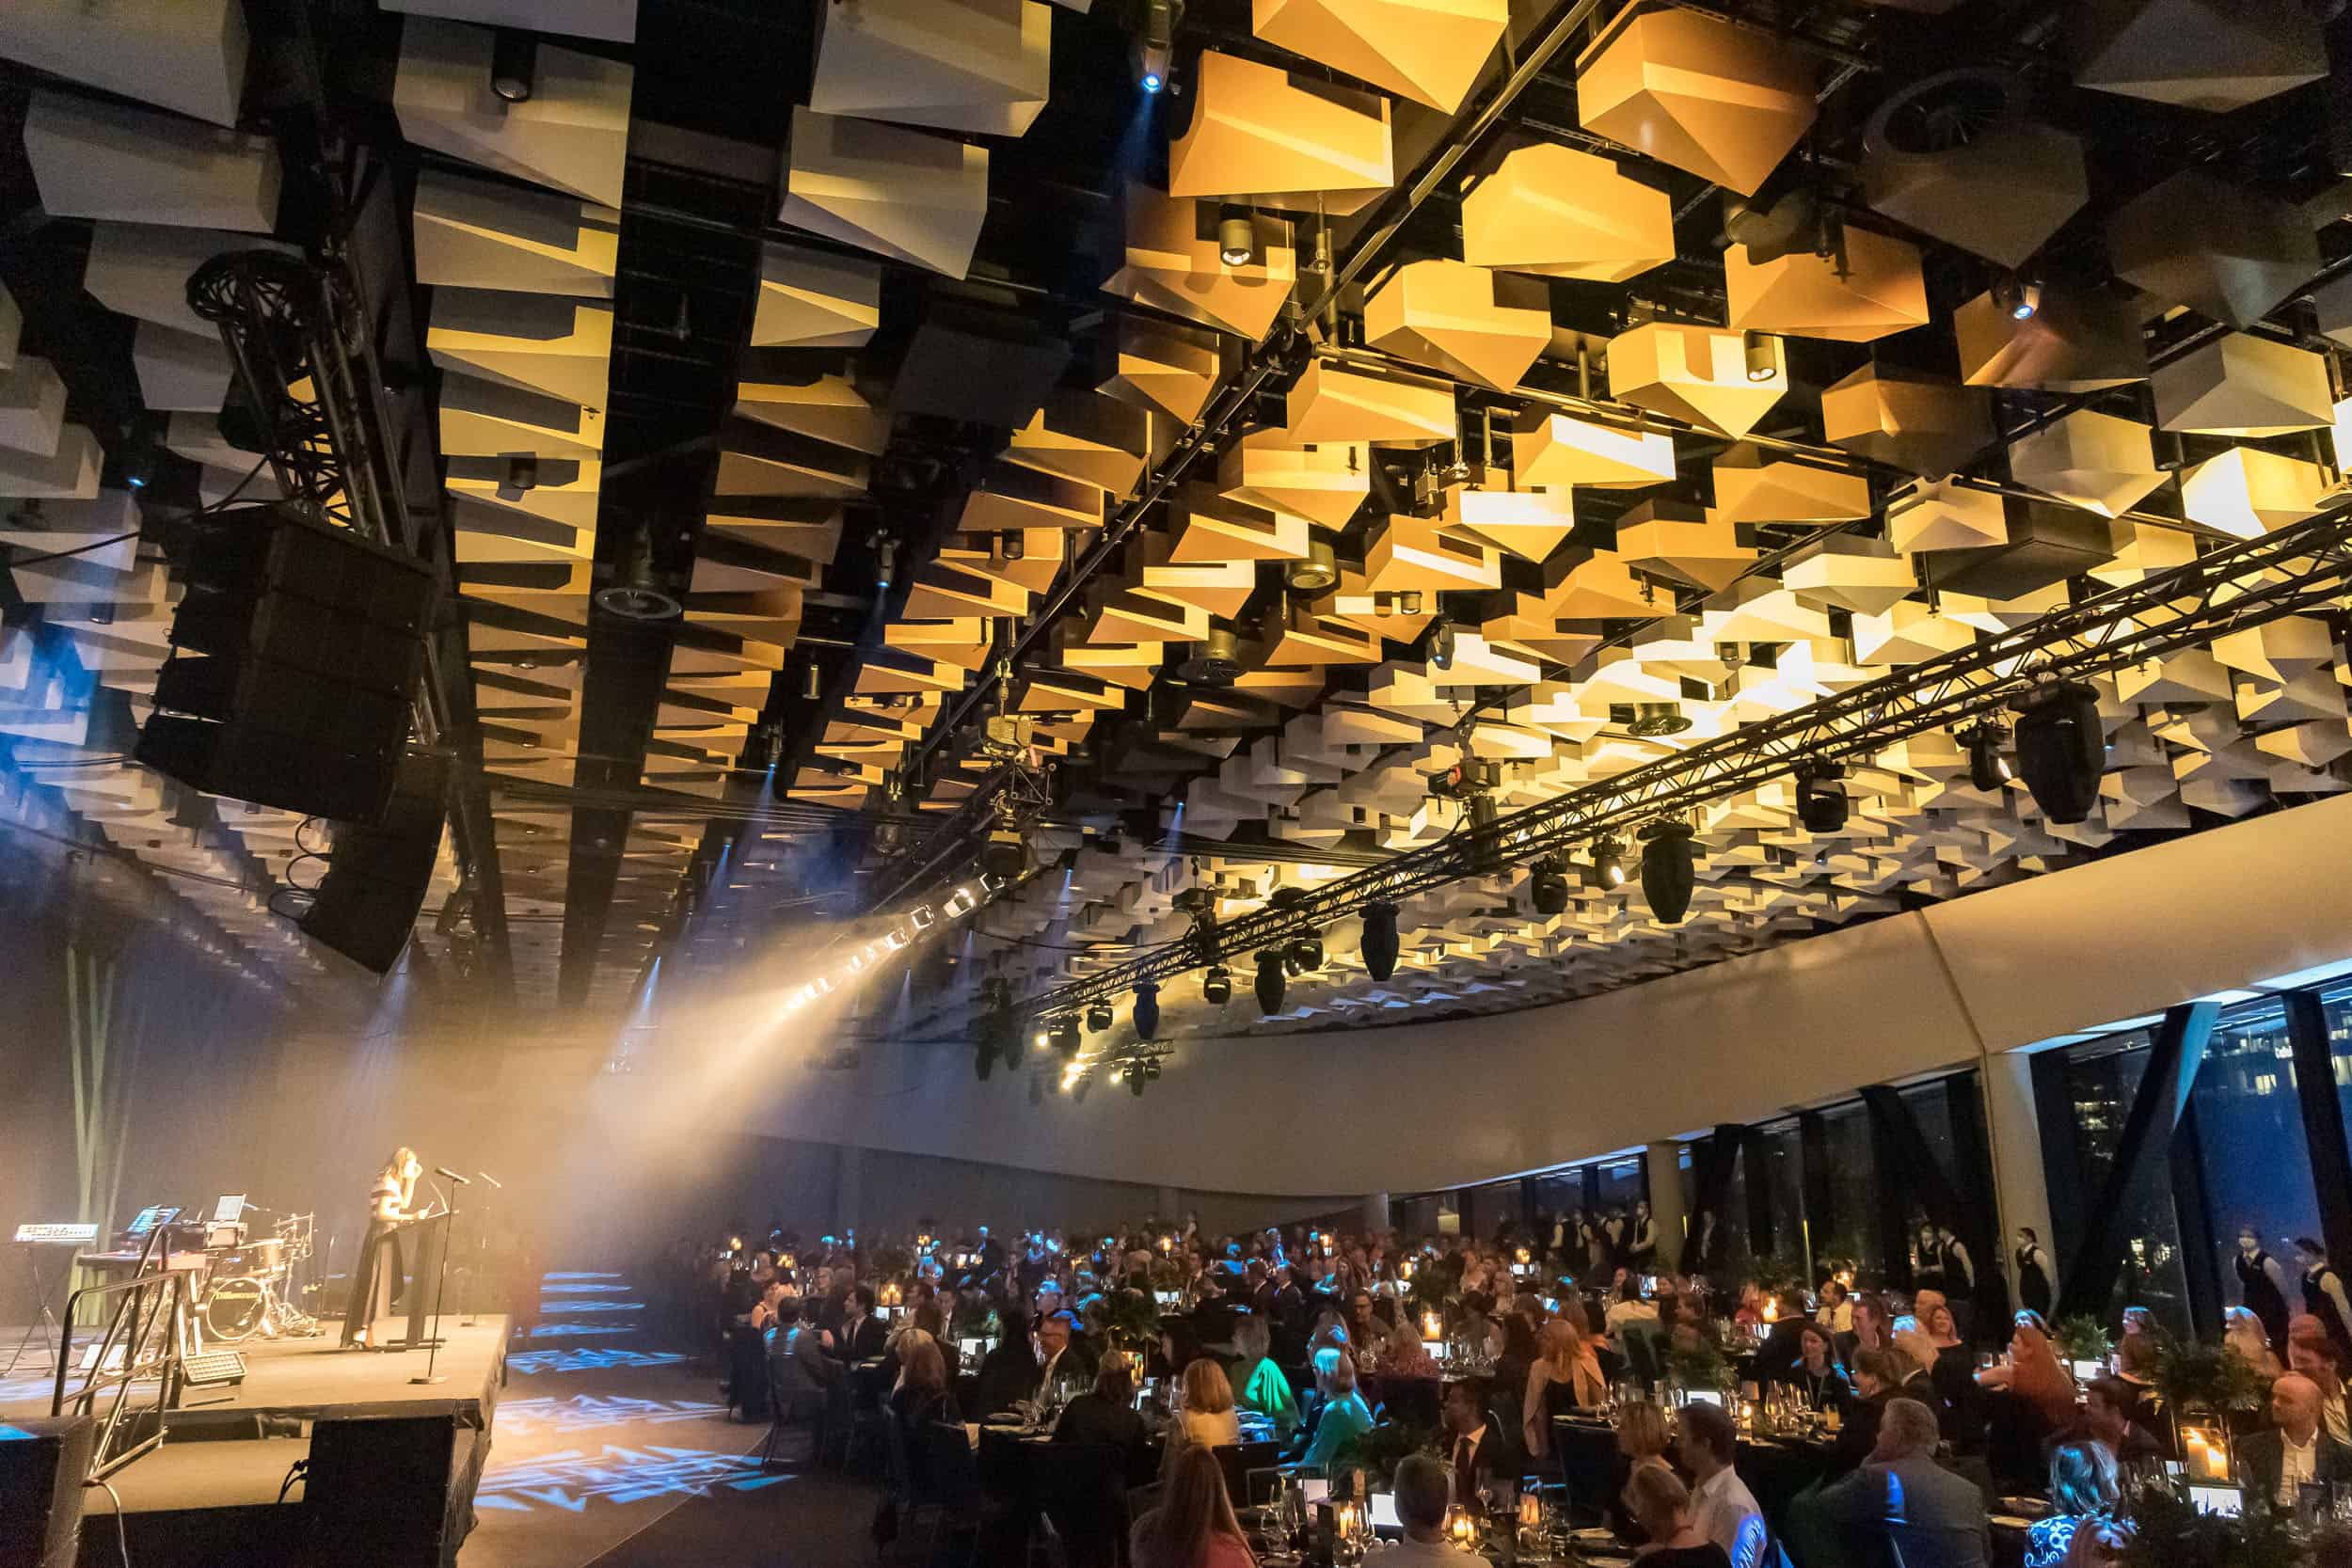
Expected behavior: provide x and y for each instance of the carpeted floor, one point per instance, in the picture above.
(613, 1450)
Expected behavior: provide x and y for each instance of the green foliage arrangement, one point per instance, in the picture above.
(890, 1263)
(2193, 1376)
(1379, 1449)
(2168, 1532)
(1131, 1319)
(2084, 1336)
(1702, 1367)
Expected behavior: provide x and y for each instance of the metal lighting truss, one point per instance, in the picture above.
(2300, 568)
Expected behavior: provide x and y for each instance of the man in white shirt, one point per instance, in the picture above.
(1422, 1490)
(2295, 1452)
(1722, 1507)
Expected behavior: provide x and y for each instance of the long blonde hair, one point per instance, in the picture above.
(1193, 1507)
(1207, 1390)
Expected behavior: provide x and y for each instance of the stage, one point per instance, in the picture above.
(211, 1491)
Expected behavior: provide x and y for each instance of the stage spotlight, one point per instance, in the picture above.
(1316, 571)
(1270, 981)
(637, 592)
(1608, 864)
(1218, 984)
(514, 64)
(983, 1062)
(1547, 886)
(1308, 951)
(1155, 44)
(1065, 1033)
(522, 474)
(1437, 643)
(1668, 873)
(1098, 1018)
(1988, 769)
(1379, 945)
(1821, 802)
(1236, 234)
(1151, 1071)
(1147, 1011)
(1134, 1080)
(2020, 296)
(1007, 854)
(2061, 748)
(1758, 349)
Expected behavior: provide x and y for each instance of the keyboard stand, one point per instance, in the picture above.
(44, 1323)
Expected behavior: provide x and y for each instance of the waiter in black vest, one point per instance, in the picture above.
(2261, 1284)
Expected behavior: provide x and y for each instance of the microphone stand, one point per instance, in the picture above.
(481, 1249)
(433, 1352)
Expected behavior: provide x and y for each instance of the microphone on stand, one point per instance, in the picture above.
(491, 1179)
(444, 1170)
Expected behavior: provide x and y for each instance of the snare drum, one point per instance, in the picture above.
(235, 1309)
(265, 1258)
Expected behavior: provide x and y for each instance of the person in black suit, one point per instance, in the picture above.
(1105, 1416)
(2277, 1463)
(862, 1335)
(1009, 1371)
(1878, 1376)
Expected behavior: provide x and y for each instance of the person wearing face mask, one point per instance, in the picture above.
(2262, 1285)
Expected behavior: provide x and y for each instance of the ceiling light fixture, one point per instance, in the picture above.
(1155, 44)
(1437, 643)
(1236, 234)
(1988, 769)
(1821, 803)
(514, 64)
(1547, 886)
(636, 591)
(1378, 946)
(1669, 870)
(1216, 986)
(1307, 952)
(1099, 1017)
(1270, 981)
(1762, 366)
(1652, 720)
(2019, 298)
(2062, 747)
(1608, 862)
(1316, 571)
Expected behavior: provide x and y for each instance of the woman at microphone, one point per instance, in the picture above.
(376, 1279)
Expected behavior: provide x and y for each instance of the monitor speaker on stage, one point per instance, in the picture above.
(366, 905)
(387, 1491)
(41, 1466)
(295, 656)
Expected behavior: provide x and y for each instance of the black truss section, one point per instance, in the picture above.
(2304, 567)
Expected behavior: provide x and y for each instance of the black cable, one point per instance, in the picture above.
(122, 1540)
(79, 549)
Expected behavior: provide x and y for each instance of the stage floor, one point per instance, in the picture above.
(296, 1379)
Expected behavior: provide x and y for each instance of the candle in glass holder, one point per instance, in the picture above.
(1461, 1527)
(2206, 1457)
(1431, 1327)
(1771, 1310)
(1168, 1243)
(1531, 1510)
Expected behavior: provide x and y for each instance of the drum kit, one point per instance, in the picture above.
(252, 1291)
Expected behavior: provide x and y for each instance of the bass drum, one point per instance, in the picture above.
(235, 1309)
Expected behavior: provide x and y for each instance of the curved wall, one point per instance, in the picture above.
(1412, 1107)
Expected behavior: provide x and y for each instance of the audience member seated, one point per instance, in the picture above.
(1642, 1443)
(1721, 1508)
(1405, 1356)
(1104, 1416)
(2083, 1490)
(862, 1336)
(1476, 1446)
(1008, 1373)
(1878, 1377)
(1061, 1358)
(1835, 1313)
(1258, 1384)
(1816, 1374)
(1205, 1414)
(2106, 1418)
(1661, 1504)
(1918, 1353)
(1194, 1525)
(1342, 1416)
(807, 1378)
(2294, 1453)
(1904, 1507)
(1566, 1376)
(1872, 1329)
(2244, 1337)
(2136, 1368)
(2315, 1358)
(1423, 1488)
(2034, 1373)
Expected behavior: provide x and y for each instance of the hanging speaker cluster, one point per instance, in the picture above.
(1669, 873)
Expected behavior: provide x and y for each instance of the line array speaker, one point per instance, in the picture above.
(296, 653)
(366, 905)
